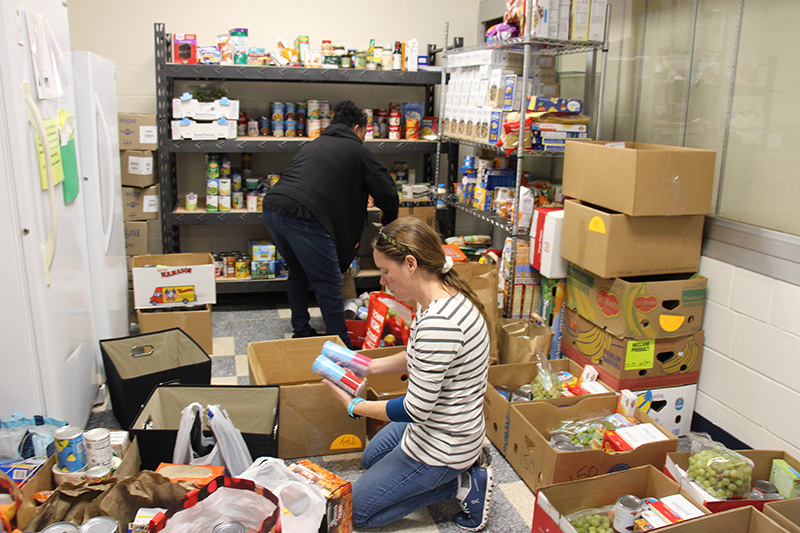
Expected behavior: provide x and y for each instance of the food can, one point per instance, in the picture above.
(242, 267)
(273, 179)
(61, 527)
(241, 125)
(100, 524)
(251, 202)
(224, 186)
(229, 527)
(230, 265)
(324, 109)
(362, 313)
(301, 113)
(351, 308)
(69, 448)
(764, 490)
(313, 128)
(237, 200)
(313, 109)
(263, 126)
(98, 447)
(97, 473)
(394, 132)
(394, 117)
(301, 128)
(412, 129)
(191, 201)
(251, 184)
(217, 264)
(277, 111)
(67, 477)
(290, 128)
(504, 391)
(212, 167)
(260, 205)
(236, 181)
(626, 510)
(290, 111)
(212, 203)
(277, 128)
(324, 123)
(212, 186)
(224, 203)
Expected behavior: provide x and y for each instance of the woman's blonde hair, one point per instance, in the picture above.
(410, 236)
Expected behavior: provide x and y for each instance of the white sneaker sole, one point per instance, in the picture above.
(487, 502)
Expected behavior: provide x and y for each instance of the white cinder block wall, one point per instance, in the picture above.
(750, 376)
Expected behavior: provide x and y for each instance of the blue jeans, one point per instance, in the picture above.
(310, 255)
(394, 484)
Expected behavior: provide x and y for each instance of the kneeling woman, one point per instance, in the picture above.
(431, 450)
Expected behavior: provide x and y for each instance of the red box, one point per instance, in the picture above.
(356, 330)
(184, 48)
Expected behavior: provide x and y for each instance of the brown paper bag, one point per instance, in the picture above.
(520, 340)
(482, 279)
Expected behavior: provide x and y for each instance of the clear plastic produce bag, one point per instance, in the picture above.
(721, 472)
(576, 435)
(545, 385)
(598, 520)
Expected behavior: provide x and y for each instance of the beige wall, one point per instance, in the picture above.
(122, 31)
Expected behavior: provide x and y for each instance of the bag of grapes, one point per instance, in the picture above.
(592, 520)
(721, 472)
(576, 435)
(545, 385)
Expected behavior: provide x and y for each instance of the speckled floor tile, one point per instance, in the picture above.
(223, 366)
(223, 346)
(225, 380)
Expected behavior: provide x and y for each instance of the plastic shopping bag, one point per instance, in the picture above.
(229, 441)
(303, 504)
(191, 446)
(386, 310)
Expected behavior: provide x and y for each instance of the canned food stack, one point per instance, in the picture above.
(89, 456)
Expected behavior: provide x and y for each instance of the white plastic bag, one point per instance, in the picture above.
(224, 505)
(229, 449)
(304, 504)
(229, 441)
(183, 454)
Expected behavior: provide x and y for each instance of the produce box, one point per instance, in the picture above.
(786, 513)
(174, 280)
(138, 168)
(195, 322)
(677, 464)
(639, 308)
(555, 502)
(742, 520)
(672, 407)
(188, 107)
(383, 386)
(314, 423)
(137, 131)
(497, 408)
(611, 244)
(640, 179)
(187, 128)
(538, 464)
(140, 204)
(135, 238)
(633, 364)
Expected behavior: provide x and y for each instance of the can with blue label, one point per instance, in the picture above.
(70, 452)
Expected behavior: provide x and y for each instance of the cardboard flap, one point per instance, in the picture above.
(283, 362)
(157, 352)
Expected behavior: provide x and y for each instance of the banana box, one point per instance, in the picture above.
(672, 407)
(634, 364)
(639, 308)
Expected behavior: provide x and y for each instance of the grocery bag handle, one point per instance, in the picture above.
(142, 350)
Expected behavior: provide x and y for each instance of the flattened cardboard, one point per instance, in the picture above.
(677, 463)
(538, 464)
(640, 179)
(639, 308)
(615, 245)
(190, 275)
(742, 520)
(785, 513)
(497, 409)
(555, 502)
(194, 322)
(633, 364)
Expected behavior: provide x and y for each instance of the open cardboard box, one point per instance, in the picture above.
(529, 451)
(786, 513)
(669, 305)
(677, 463)
(742, 520)
(383, 386)
(629, 363)
(672, 407)
(497, 409)
(196, 323)
(555, 502)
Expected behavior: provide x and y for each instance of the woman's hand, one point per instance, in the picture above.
(340, 394)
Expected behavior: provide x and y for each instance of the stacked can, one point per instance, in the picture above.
(300, 117)
(370, 124)
(212, 183)
(290, 125)
(69, 448)
(224, 195)
(263, 126)
(324, 115)
(381, 126)
(229, 264)
(237, 192)
(241, 125)
(242, 266)
(394, 124)
(277, 119)
(251, 194)
(252, 128)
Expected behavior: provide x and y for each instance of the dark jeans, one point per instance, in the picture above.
(310, 255)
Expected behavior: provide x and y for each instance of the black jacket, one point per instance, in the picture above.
(332, 176)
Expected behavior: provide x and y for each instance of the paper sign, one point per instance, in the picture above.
(640, 354)
(54, 141)
(47, 81)
(150, 204)
(69, 161)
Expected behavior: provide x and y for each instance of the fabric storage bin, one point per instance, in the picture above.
(252, 409)
(136, 365)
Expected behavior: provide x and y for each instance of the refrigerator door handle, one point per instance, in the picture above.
(109, 201)
(49, 248)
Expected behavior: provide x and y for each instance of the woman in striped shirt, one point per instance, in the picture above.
(431, 450)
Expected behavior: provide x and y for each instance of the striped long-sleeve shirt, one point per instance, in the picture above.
(448, 365)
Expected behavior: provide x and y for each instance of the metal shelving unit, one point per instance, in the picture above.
(167, 73)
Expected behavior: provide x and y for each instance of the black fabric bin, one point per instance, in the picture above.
(175, 357)
(253, 409)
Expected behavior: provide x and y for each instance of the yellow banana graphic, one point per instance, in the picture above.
(684, 360)
(637, 322)
(578, 301)
(590, 342)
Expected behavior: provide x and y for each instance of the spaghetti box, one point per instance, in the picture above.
(140, 204)
(184, 48)
(338, 495)
(538, 464)
(547, 103)
(634, 364)
(639, 307)
(137, 131)
(786, 513)
(640, 179)
(174, 280)
(138, 168)
(677, 464)
(611, 244)
(554, 503)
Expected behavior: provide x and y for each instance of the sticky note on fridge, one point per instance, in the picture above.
(54, 148)
(69, 162)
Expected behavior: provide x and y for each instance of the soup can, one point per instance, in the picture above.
(237, 200)
(252, 128)
(61, 527)
(313, 109)
(100, 524)
(324, 109)
(290, 128)
(626, 510)
(98, 447)
(277, 128)
(224, 203)
(252, 202)
(97, 473)
(212, 203)
(290, 111)
(263, 126)
(69, 448)
(301, 112)
(313, 128)
(324, 123)
(277, 111)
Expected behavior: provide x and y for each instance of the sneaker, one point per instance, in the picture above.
(475, 504)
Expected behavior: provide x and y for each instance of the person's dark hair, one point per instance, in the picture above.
(347, 113)
(410, 236)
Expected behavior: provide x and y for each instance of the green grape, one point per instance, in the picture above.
(545, 387)
(596, 523)
(723, 474)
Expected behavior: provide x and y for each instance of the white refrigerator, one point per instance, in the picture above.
(101, 187)
(48, 346)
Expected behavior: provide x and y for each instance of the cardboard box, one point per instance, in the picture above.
(672, 407)
(538, 464)
(633, 364)
(194, 322)
(383, 386)
(640, 179)
(545, 249)
(140, 204)
(555, 502)
(136, 238)
(639, 308)
(193, 108)
(785, 513)
(43, 480)
(184, 48)
(174, 280)
(187, 128)
(677, 462)
(614, 245)
(338, 495)
(426, 213)
(312, 421)
(137, 131)
(553, 307)
(138, 168)
(497, 408)
(743, 520)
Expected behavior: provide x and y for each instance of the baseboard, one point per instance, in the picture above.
(702, 425)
